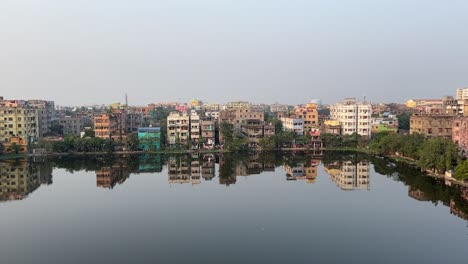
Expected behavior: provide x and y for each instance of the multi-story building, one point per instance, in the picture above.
(208, 134)
(238, 105)
(460, 133)
(332, 127)
(111, 125)
(104, 126)
(252, 129)
(71, 125)
(178, 128)
(276, 107)
(149, 138)
(45, 114)
(462, 93)
(293, 124)
(18, 121)
(432, 125)
(269, 130)
(354, 116)
(195, 129)
(309, 114)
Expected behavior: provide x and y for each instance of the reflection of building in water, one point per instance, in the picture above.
(109, 176)
(149, 163)
(179, 170)
(417, 194)
(303, 171)
(19, 178)
(195, 169)
(208, 167)
(350, 176)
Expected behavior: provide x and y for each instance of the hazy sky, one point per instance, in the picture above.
(290, 51)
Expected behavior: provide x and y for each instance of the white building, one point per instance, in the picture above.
(194, 128)
(462, 93)
(354, 116)
(293, 124)
(178, 128)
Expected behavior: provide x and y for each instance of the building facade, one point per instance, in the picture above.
(354, 116)
(432, 125)
(178, 128)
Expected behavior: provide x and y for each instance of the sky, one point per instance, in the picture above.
(264, 51)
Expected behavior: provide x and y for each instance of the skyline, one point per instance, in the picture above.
(218, 51)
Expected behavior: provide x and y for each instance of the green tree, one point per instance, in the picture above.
(131, 142)
(461, 172)
(15, 148)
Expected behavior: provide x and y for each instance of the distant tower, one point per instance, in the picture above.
(126, 101)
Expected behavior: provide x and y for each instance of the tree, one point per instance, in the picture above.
(56, 127)
(461, 172)
(226, 131)
(15, 148)
(131, 142)
(89, 133)
(404, 121)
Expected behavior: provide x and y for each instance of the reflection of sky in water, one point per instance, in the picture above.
(183, 211)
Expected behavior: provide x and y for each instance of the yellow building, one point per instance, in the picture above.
(411, 104)
(18, 121)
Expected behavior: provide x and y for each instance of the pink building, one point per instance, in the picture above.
(460, 133)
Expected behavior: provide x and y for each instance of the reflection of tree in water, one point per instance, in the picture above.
(426, 188)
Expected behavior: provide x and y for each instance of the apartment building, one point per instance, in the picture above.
(45, 114)
(18, 121)
(293, 124)
(208, 134)
(354, 116)
(432, 125)
(178, 128)
(309, 114)
(252, 129)
(195, 129)
(71, 125)
(460, 133)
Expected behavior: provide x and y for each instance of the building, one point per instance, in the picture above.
(252, 129)
(384, 124)
(208, 134)
(239, 105)
(332, 127)
(460, 133)
(195, 129)
(293, 124)
(239, 116)
(276, 107)
(462, 93)
(309, 114)
(178, 128)
(149, 138)
(71, 125)
(18, 121)
(432, 125)
(354, 116)
(111, 125)
(45, 114)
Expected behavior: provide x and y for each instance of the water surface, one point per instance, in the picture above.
(264, 208)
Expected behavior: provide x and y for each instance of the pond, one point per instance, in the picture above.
(206, 208)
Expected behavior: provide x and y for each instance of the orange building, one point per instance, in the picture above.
(309, 114)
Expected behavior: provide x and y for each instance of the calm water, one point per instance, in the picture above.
(269, 208)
